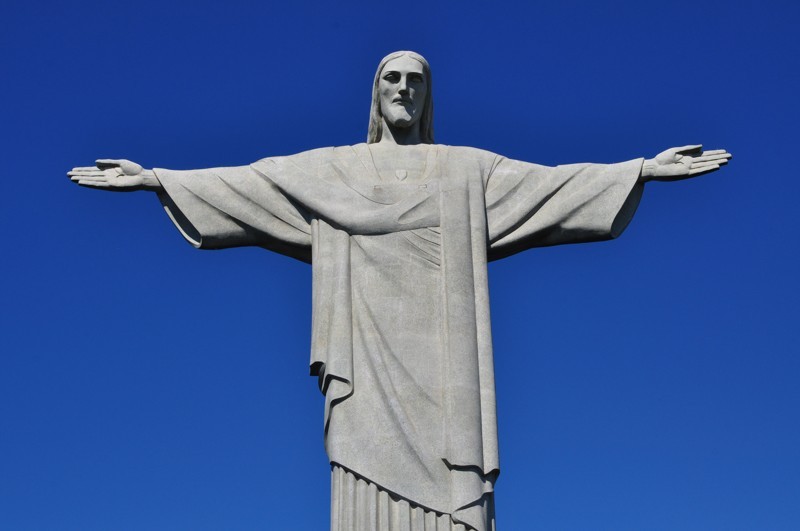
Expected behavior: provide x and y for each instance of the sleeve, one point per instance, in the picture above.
(233, 207)
(528, 205)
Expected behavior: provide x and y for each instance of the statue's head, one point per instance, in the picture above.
(402, 94)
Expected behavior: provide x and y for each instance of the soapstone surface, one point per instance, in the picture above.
(398, 232)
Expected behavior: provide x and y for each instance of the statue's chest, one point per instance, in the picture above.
(406, 165)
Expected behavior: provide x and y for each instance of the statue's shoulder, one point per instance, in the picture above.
(305, 159)
(324, 154)
(484, 160)
(315, 160)
(467, 152)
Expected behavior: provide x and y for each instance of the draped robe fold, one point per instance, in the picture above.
(401, 340)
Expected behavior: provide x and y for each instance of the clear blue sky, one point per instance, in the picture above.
(649, 383)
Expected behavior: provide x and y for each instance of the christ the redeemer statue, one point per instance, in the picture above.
(398, 232)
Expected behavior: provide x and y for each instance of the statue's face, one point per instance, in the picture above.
(402, 88)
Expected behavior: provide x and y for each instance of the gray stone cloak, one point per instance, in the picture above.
(401, 339)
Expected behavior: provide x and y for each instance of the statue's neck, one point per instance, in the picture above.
(401, 136)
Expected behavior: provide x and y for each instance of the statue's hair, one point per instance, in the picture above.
(376, 117)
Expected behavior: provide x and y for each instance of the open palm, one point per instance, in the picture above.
(684, 162)
(117, 175)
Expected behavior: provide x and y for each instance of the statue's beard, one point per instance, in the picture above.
(401, 117)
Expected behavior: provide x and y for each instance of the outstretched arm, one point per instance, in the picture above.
(528, 205)
(684, 162)
(213, 208)
(116, 175)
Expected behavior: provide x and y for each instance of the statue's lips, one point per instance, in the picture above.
(403, 102)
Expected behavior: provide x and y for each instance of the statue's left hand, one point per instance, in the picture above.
(684, 162)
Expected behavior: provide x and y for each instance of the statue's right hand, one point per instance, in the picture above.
(118, 175)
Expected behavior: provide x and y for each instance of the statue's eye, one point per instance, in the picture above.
(392, 76)
(416, 78)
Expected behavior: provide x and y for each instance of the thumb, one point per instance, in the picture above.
(694, 149)
(130, 168)
(105, 164)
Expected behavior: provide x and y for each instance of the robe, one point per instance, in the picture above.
(401, 339)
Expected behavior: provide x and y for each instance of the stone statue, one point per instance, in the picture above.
(398, 232)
